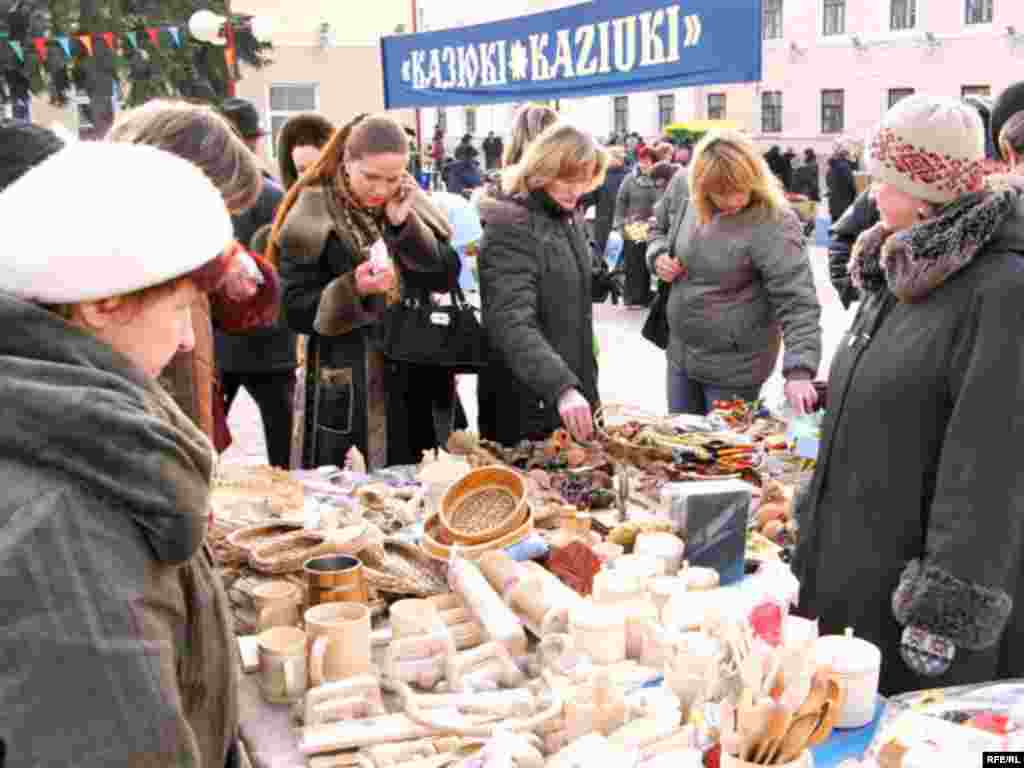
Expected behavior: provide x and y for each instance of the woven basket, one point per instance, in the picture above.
(484, 505)
(436, 544)
(240, 544)
(400, 568)
(286, 554)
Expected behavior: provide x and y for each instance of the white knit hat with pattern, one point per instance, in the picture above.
(97, 220)
(929, 147)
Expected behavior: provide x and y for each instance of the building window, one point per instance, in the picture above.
(666, 110)
(975, 90)
(771, 112)
(979, 12)
(834, 21)
(620, 116)
(831, 111)
(442, 119)
(285, 101)
(903, 14)
(470, 120)
(716, 106)
(772, 19)
(896, 95)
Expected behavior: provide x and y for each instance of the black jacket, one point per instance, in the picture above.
(860, 216)
(841, 188)
(806, 182)
(604, 198)
(780, 166)
(918, 480)
(535, 284)
(270, 349)
(463, 176)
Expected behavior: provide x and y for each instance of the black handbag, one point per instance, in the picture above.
(420, 331)
(655, 328)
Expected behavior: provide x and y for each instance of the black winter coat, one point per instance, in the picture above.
(463, 176)
(604, 198)
(535, 284)
(841, 188)
(637, 197)
(806, 182)
(353, 395)
(860, 216)
(919, 463)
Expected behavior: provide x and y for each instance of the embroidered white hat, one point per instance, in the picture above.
(929, 147)
(99, 219)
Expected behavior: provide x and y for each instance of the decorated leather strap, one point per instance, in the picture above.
(927, 654)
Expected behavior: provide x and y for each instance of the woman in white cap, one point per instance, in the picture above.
(113, 628)
(912, 531)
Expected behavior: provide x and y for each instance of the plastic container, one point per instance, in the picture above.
(858, 664)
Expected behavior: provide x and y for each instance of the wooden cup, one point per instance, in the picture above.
(282, 672)
(339, 641)
(277, 604)
(335, 579)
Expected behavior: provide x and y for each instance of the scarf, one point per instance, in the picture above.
(914, 262)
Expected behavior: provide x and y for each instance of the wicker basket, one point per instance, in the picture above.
(240, 544)
(436, 544)
(484, 505)
(400, 568)
(286, 554)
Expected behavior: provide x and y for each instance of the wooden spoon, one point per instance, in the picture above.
(777, 725)
(829, 716)
(752, 725)
(816, 698)
(797, 738)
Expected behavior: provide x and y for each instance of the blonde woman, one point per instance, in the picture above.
(535, 276)
(741, 281)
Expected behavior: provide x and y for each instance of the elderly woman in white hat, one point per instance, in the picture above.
(113, 629)
(912, 531)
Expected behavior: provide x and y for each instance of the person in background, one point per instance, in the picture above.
(465, 149)
(842, 190)
(789, 160)
(354, 236)
(299, 143)
(494, 147)
(806, 178)
(462, 176)
(664, 152)
(778, 166)
(741, 282)
(607, 239)
(415, 161)
(262, 360)
(466, 233)
(682, 156)
(1008, 126)
(913, 464)
(662, 173)
(251, 295)
(535, 280)
(635, 204)
(105, 575)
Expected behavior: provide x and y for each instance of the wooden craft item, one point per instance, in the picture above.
(342, 760)
(363, 687)
(277, 604)
(437, 547)
(400, 568)
(504, 669)
(502, 572)
(339, 637)
(282, 664)
(245, 540)
(335, 579)
(514, 702)
(641, 733)
(467, 635)
(412, 618)
(498, 621)
(249, 651)
(598, 631)
(485, 505)
(332, 737)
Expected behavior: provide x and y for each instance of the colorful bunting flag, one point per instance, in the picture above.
(40, 44)
(86, 40)
(175, 36)
(108, 38)
(154, 36)
(65, 44)
(18, 50)
(133, 39)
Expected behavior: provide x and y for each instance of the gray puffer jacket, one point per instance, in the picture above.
(748, 285)
(635, 202)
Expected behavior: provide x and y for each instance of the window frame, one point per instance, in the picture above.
(774, 109)
(906, 92)
(976, 89)
(775, 11)
(969, 5)
(470, 111)
(826, 5)
(273, 115)
(908, 6)
(829, 109)
(723, 107)
(662, 123)
(616, 112)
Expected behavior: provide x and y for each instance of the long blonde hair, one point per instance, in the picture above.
(529, 122)
(727, 162)
(563, 152)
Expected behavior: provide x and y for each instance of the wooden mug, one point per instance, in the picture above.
(277, 604)
(282, 655)
(339, 641)
(335, 579)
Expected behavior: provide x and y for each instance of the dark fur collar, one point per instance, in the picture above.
(914, 262)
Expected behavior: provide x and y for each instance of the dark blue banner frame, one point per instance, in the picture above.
(601, 47)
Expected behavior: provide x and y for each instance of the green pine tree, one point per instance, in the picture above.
(196, 71)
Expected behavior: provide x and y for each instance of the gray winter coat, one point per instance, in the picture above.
(915, 515)
(635, 202)
(115, 641)
(749, 285)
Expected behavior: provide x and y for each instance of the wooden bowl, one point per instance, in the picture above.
(436, 544)
(484, 505)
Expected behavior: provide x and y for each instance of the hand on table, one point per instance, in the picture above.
(801, 395)
(576, 415)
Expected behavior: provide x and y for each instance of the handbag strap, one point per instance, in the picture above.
(673, 232)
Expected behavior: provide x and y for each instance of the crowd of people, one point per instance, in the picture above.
(131, 327)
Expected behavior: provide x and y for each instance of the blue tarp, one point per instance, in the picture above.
(601, 47)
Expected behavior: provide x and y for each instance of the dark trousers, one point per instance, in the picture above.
(686, 395)
(638, 277)
(274, 393)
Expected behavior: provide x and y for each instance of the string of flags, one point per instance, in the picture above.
(85, 44)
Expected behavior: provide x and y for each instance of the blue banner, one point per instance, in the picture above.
(601, 47)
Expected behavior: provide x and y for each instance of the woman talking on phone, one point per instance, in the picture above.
(351, 234)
